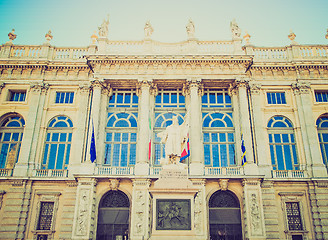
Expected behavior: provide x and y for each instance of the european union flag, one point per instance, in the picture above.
(93, 154)
(243, 150)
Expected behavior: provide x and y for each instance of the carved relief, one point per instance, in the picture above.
(255, 88)
(39, 87)
(302, 87)
(140, 211)
(198, 212)
(114, 184)
(223, 183)
(255, 215)
(82, 217)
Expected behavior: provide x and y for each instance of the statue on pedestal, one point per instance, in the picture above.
(174, 137)
(190, 29)
(148, 30)
(235, 30)
(103, 29)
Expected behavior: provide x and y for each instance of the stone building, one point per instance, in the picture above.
(81, 150)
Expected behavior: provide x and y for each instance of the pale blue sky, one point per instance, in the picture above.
(73, 22)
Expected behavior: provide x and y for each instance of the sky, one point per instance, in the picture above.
(72, 22)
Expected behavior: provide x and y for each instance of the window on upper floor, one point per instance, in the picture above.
(11, 134)
(321, 96)
(276, 98)
(64, 97)
(322, 127)
(58, 143)
(216, 98)
(17, 95)
(282, 144)
(170, 98)
(123, 98)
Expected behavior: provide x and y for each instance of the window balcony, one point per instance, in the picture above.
(224, 171)
(57, 173)
(114, 170)
(289, 174)
(6, 172)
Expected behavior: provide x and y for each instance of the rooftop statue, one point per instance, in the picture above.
(174, 137)
(48, 36)
(148, 30)
(103, 29)
(235, 30)
(12, 35)
(190, 29)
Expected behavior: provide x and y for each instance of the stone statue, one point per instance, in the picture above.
(235, 30)
(12, 35)
(148, 30)
(103, 29)
(174, 137)
(190, 29)
(48, 36)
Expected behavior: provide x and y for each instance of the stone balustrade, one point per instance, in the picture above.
(56, 173)
(6, 172)
(195, 47)
(114, 171)
(289, 174)
(224, 171)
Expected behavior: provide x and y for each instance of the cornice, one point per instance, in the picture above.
(42, 64)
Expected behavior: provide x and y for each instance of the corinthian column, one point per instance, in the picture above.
(194, 90)
(142, 162)
(308, 130)
(241, 85)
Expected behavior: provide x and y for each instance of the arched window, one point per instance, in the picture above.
(282, 144)
(219, 140)
(113, 216)
(224, 216)
(322, 126)
(163, 120)
(11, 134)
(121, 139)
(58, 143)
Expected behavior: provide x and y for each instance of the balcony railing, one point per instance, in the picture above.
(224, 171)
(6, 172)
(289, 174)
(114, 171)
(50, 173)
(155, 170)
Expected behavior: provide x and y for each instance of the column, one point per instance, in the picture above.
(144, 132)
(194, 116)
(21, 167)
(308, 129)
(260, 133)
(83, 224)
(80, 133)
(140, 211)
(253, 210)
(245, 125)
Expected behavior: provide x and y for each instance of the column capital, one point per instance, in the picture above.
(240, 82)
(84, 88)
(302, 87)
(107, 90)
(96, 83)
(143, 83)
(193, 83)
(39, 87)
(255, 88)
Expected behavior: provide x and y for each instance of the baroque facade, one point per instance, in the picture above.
(81, 150)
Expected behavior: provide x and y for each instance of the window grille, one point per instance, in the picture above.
(321, 96)
(17, 96)
(282, 144)
(293, 216)
(11, 134)
(58, 143)
(123, 98)
(64, 97)
(276, 98)
(45, 217)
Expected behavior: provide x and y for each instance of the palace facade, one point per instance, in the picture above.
(80, 151)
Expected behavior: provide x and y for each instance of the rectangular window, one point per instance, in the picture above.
(276, 98)
(123, 98)
(64, 97)
(45, 217)
(170, 98)
(17, 95)
(321, 96)
(216, 98)
(294, 216)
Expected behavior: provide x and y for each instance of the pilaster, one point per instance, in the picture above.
(144, 128)
(253, 210)
(141, 210)
(194, 117)
(263, 161)
(308, 130)
(84, 215)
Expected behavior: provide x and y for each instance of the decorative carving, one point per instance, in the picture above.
(235, 30)
(154, 89)
(139, 210)
(193, 83)
(223, 199)
(39, 87)
(198, 212)
(247, 38)
(114, 184)
(83, 213)
(143, 83)
(72, 183)
(97, 84)
(2, 192)
(103, 29)
(223, 183)
(2, 85)
(148, 29)
(190, 28)
(84, 88)
(292, 37)
(17, 183)
(255, 215)
(115, 199)
(255, 88)
(301, 87)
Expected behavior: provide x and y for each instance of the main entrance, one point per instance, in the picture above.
(113, 216)
(224, 216)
